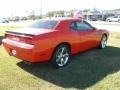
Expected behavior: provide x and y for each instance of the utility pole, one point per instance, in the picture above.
(41, 9)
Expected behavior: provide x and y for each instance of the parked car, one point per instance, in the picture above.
(54, 40)
(4, 21)
(113, 19)
(93, 19)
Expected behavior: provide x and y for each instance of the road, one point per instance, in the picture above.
(110, 26)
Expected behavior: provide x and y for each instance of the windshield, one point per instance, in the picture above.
(46, 24)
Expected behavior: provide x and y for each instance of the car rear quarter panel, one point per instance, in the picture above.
(46, 43)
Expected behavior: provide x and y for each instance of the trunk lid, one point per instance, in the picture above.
(25, 35)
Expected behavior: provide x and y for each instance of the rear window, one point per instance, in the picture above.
(46, 24)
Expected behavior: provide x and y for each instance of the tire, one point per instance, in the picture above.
(103, 42)
(61, 56)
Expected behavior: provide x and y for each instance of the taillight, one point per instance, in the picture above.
(20, 38)
(8, 36)
(27, 40)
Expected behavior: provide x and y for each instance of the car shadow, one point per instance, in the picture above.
(1, 37)
(84, 70)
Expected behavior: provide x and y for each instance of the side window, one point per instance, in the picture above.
(81, 25)
(73, 26)
(115, 16)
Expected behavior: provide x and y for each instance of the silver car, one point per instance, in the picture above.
(113, 19)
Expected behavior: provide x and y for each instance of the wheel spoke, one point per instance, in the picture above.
(58, 60)
(62, 61)
(65, 55)
(62, 51)
(58, 56)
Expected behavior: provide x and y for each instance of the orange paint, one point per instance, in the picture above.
(39, 44)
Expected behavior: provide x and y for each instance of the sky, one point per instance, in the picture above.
(22, 7)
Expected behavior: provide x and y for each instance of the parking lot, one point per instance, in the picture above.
(111, 26)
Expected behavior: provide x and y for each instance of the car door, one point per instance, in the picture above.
(86, 34)
(94, 35)
(115, 18)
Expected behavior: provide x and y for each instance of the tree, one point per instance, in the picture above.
(50, 14)
(32, 15)
(55, 13)
(60, 12)
(86, 10)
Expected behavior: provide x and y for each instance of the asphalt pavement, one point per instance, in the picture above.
(110, 26)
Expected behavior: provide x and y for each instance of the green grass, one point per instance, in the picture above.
(3, 28)
(93, 70)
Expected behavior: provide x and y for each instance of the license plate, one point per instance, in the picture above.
(14, 52)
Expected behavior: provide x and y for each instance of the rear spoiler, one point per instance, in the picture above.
(19, 33)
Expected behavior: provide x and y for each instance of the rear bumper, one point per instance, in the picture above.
(23, 51)
(27, 52)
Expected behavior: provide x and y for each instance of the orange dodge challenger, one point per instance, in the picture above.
(53, 39)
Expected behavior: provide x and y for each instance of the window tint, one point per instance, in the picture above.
(73, 26)
(83, 26)
(46, 24)
(80, 25)
(115, 17)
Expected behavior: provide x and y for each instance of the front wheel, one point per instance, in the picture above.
(61, 56)
(103, 42)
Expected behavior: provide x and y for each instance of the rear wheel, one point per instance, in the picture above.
(103, 42)
(61, 56)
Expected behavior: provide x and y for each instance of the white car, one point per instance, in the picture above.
(113, 19)
(4, 21)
